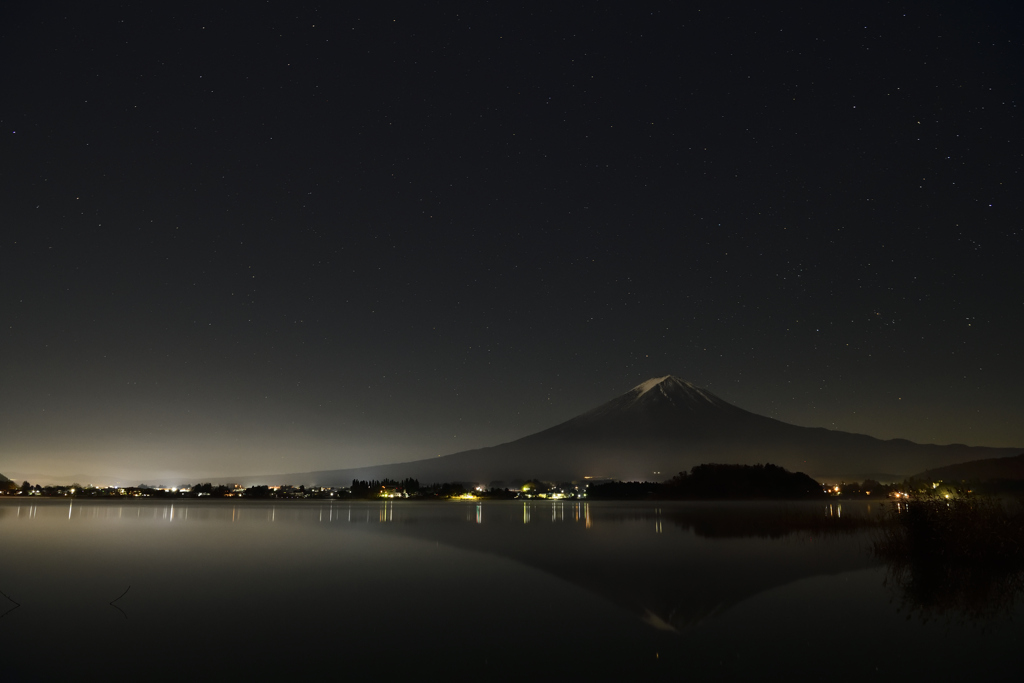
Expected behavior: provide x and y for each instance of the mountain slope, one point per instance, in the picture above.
(663, 426)
(1011, 468)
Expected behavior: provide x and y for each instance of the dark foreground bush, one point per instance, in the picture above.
(962, 530)
(963, 556)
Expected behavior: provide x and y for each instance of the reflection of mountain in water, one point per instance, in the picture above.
(671, 580)
(672, 564)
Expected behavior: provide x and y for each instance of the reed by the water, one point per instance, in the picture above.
(962, 555)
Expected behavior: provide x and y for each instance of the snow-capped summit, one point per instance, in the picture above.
(667, 400)
(676, 391)
(644, 387)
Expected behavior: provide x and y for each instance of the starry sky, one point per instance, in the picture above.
(287, 236)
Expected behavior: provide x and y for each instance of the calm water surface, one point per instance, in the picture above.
(495, 589)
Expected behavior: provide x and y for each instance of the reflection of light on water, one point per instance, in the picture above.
(586, 512)
(172, 513)
(70, 505)
(479, 514)
(526, 513)
(558, 512)
(657, 520)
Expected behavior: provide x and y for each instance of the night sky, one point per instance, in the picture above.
(282, 236)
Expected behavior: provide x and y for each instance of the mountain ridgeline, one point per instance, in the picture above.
(660, 428)
(993, 469)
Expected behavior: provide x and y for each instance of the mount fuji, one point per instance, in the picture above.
(659, 428)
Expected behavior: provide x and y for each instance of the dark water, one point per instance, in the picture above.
(492, 589)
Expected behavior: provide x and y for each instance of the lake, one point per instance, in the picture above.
(497, 590)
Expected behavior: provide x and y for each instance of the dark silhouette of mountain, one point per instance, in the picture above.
(660, 428)
(990, 469)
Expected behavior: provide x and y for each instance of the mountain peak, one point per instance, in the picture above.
(670, 383)
(644, 387)
(675, 390)
(669, 397)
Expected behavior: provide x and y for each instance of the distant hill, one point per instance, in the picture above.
(718, 482)
(3, 479)
(741, 482)
(660, 428)
(990, 469)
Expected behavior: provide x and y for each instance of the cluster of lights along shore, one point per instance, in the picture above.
(530, 490)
